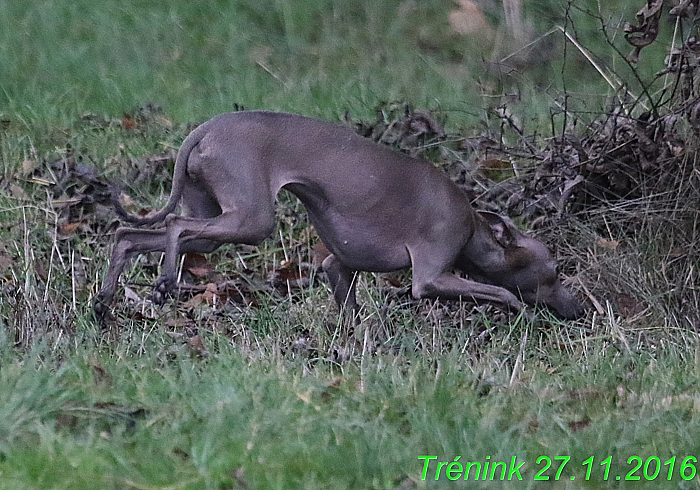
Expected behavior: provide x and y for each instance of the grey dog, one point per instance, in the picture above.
(374, 208)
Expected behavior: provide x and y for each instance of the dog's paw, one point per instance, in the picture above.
(100, 309)
(162, 289)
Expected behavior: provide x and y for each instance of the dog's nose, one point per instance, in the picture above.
(565, 304)
(572, 310)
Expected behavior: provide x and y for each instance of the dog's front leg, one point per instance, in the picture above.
(449, 286)
(343, 282)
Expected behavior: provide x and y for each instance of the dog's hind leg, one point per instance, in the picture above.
(128, 243)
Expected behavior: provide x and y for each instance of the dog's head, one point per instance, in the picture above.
(530, 270)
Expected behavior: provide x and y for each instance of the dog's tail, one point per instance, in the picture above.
(183, 155)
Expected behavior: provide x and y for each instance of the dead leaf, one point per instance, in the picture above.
(17, 192)
(41, 270)
(239, 292)
(210, 296)
(28, 167)
(67, 228)
(319, 252)
(579, 424)
(606, 243)
(468, 19)
(178, 323)
(290, 275)
(6, 259)
(646, 30)
(195, 346)
(629, 306)
(128, 203)
(686, 8)
(131, 295)
(99, 375)
(392, 280)
(197, 265)
(304, 396)
(496, 169)
(675, 253)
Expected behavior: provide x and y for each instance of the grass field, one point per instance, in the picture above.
(272, 389)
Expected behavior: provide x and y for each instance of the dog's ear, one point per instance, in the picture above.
(502, 228)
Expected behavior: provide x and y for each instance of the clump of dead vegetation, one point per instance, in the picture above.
(618, 195)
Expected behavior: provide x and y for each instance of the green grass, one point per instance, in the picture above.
(115, 419)
(199, 59)
(323, 57)
(282, 395)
